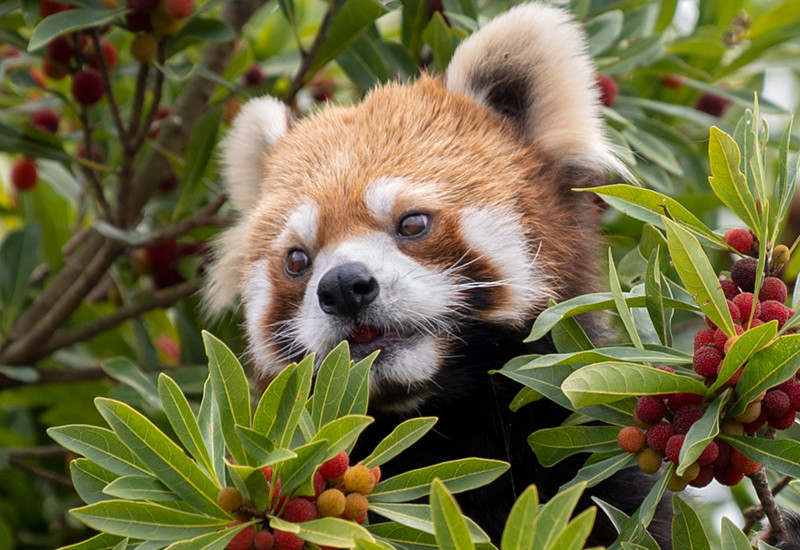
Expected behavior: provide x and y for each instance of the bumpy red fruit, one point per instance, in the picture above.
(23, 173)
(45, 120)
(59, 49)
(630, 439)
(740, 240)
(712, 104)
(772, 310)
(773, 288)
(650, 409)
(729, 288)
(743, 273)
(785, 422)
(745, 302)
(704, 477)
(703, 338)
(728, 475)
(658, 435)
(608, 90)
(706, 360)
(243, 539)
(335, 467)
(757, 424)
(87, 87)
(319, 483)
(263, 540)
(709, 454)
(685, 417)
(299, 510)
(742, 463)
(287, 541)
(673, 448)
(179, 9)
(677, 400)
(775, 404)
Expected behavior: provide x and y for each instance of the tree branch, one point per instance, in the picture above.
(42, 473)
(311, 55)
(768, 505)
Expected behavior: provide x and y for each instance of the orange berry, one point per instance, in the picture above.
(331, 503)
(359, 478)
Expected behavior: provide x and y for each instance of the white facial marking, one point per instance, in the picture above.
(383, 193)
(257, 299)
(498, 236)
(302, 224)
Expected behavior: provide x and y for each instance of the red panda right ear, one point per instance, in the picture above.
(531, 65)
(258, 126)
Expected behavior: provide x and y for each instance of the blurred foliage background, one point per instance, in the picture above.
(108, 204)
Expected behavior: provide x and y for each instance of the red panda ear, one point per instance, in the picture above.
(260, 124)
(531, 65)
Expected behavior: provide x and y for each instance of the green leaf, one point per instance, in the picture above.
(611, 353)
(702, 433)
(457, 475)
(732, 537)
(209, 424)
(402, 437)
(331, 385)
(67, 22)
(610, 381)
(126, 371)
(282, 404)
(520, 526)
(103, 541)
(698, 276)
(145, 520)
(261, 448)
(402, 536)
(325, 531)
(554, 516)
(296, 471)
(574, 535)
(450, 528)
(418, 516)
(568, 336)
(619, 303)
(651, 148)
(742, 350)
(604, 30)
(727, 182)
(164, 458)
(216, 540)
(552, 445)
(356, 395)
(199, 30)
(780, 455)
(199, 152)
(139, 488)
(182, 420)
(651, 207)
(352, 19)
(594, 473)
(786, 182)
(99, 445)
(687, 529)
(766, 369)
(654, 299)
(89, 480)
(439, 36)
(19, 254)
(342, 433)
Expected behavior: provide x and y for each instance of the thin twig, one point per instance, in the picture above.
(753, 514)
(158, 88)
(112, 99)
(138, 99)
(47, 451)
(311, 55)
(95, 185)
(74, 376)
(768, 505)
(42, 473)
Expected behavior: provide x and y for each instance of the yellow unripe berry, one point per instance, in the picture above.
(780, 255)
(731, 427)
(356, 506)
(676, 483)
(144, 47)
(359, 478)
(752, 412)
(691, 472)
(649, 460)
(229, 499)
(331, 503)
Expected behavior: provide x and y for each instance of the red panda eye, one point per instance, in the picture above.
(297, 261)
(413, 225)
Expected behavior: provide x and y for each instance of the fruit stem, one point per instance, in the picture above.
(768, 505)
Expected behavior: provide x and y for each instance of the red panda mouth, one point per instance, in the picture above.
(364, 339)
(364, 334)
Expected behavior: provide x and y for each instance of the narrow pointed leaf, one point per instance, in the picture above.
(596, 472)
(216, 540)
(766, 369)
(612, 353)
(402, 437)
(342, 433)
(732, 537)
(611, 381)
(449, 526)
(295, 471)
(139, 488)
(654, 300)
(418, 516)
(356, 395)
(325, 531)
(742, 350)
(103, 541)
(554, 516)
(99, 445)
(568, 336)
(402, 536)
(128, 372)
(728, 183)
(261, 448)
(210, 429)
(330, 386)
(687, 529)
(619, 303)
(69, 21)
(576, 532)
(89, 480)
(702, 433)
(698, 276)
(521, 523)
(780, 455)
(552, 445)
(145, 520)
(162, 456)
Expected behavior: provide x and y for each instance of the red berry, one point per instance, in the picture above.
(658, 435)
(608, 90)
(704, 477)
(299, 510)
(59, 49)
(745, 302)
(706, 361)
(53, 70)
(97, 152)
(672, 81)
(712, 104)
(253, 76)
(743, 273)
(48, 7)
(319, 483)
(772, 310)
(728, 476)
(178, 9)
(792, 388)
(287, 541)
(723, 455)
(721, 339)
(685, 417)
(650, 409)
(775, 404)
(709, 454)
(703, 337)
(45, 120)
(630, 439)
(740, 240)
(263, 540)
(109, 56)
(24, 173)
(785, 422)
(673, 449)
(87, 87)
(678, 400)
(741, 463)
(755, 425)
(729, 288)
(335, 467)
(138, 21)
(772, 288)
(243, 539)
(142, 5)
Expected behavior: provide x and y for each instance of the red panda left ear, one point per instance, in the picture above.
(258, 126)
(530, 64)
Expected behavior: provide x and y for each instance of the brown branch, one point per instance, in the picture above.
(112, 99)
(768, 506)
(158, 88)
(42, 473)
(138, 98)
(95, 185)
(310, 56)
(161, 299)
(754, 514)
(48, 451)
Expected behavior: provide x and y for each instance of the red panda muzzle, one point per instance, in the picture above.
(347, 289)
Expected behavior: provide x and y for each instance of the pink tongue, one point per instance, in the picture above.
(364, 334)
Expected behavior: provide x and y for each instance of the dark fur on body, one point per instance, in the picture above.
(475, 420)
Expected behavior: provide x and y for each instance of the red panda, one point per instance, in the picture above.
(432, 221)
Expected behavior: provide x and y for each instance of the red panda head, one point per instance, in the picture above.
(426, 208)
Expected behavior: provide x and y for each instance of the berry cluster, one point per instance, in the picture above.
(662, 421)
(339, 491)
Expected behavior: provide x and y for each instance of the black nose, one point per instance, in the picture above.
(347, 289)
